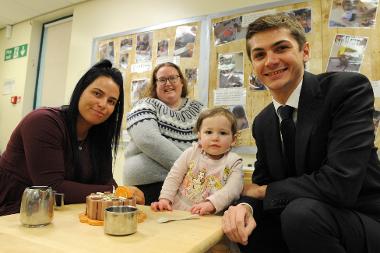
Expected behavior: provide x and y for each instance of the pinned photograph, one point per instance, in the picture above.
(162, 48)
(255, 83)
(137, 88)
(304, 17)
(125, 45)
(144, 47)
(353, 13)
(347, 53)
(102, 48)
(106, 51)
(241, 117)
(185, 41)
(123, 60)
(230, 70)
(191, 76)
(229, 30)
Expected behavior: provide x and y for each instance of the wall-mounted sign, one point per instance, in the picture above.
(16, 52)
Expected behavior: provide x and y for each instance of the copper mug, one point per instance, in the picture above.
(37, 206)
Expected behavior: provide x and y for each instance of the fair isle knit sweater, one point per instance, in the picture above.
(159, 135)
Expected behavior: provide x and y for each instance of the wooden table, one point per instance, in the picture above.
(67, 234)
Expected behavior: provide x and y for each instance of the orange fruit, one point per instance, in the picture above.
(123, 191)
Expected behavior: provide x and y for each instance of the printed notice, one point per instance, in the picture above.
(141, 67)
(229, 96)
(376, 88)
(8, 87)
(249, 18)
(174, 59)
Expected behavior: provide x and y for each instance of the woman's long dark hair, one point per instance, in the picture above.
(102, 137)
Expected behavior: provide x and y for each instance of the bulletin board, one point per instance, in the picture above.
(136, 53)
(319, 33)
(370, 66)
(216, 53)
(223, 54)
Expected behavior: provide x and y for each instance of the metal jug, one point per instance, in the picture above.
(37, 206)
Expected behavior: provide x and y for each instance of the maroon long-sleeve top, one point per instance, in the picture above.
(39, 153)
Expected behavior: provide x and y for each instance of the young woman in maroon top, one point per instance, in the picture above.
(68, 148)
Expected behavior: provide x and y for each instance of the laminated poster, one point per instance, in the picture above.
(347, 53)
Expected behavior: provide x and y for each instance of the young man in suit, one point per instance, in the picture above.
(320, 190)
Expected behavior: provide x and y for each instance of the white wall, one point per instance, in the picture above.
(103, 17)
(22, 71)
(91, 19)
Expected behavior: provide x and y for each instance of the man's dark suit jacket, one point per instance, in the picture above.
(336, 161)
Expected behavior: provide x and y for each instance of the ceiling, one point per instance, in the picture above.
(15, 11)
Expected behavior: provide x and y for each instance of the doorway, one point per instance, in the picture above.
(52, 66)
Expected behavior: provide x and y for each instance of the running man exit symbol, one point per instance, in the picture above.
(22, 50)
(15, 52)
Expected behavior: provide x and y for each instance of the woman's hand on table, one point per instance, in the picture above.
(139, 195)
(161, 205)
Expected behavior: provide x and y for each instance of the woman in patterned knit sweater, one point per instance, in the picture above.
(161, 127)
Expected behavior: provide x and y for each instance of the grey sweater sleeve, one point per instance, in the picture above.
(150, 141)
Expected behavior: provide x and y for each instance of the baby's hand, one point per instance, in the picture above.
(161, 205)
(203, 208)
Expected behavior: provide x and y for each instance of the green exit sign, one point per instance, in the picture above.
(16, 52)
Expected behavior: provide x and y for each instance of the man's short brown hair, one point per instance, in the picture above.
(276, 21)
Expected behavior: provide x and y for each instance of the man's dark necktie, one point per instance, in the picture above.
(288, 133)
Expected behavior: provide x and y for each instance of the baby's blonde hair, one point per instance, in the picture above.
(208, 113)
